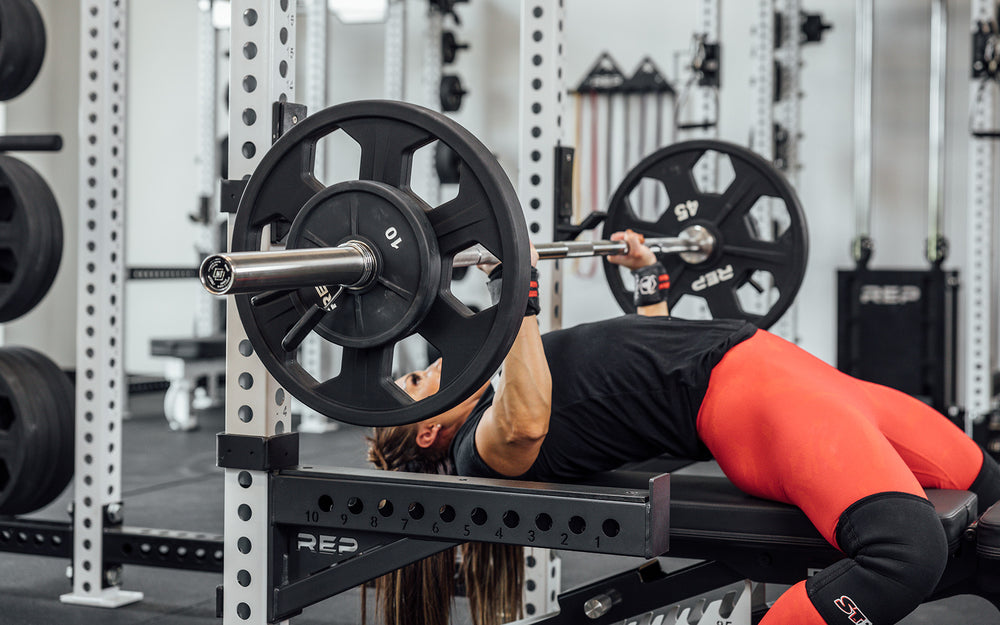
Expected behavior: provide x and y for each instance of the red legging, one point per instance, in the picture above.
(784, 425)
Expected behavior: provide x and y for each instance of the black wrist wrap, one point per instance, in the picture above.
(651, 284)
(495, 283)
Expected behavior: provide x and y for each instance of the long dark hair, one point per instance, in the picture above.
(422, 593)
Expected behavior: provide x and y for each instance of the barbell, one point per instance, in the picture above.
(366, 262)
(354, 264)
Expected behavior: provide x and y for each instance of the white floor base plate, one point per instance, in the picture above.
(108, 598)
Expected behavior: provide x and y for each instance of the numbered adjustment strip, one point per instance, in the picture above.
(751, 214)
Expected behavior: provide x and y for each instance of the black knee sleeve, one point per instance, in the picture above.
(987, 483)
(896, 551)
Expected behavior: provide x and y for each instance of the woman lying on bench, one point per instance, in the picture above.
(783, 425)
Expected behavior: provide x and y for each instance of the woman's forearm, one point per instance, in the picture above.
(524, 396)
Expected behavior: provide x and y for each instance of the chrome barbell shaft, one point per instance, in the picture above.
(353, 264)
(478, 255)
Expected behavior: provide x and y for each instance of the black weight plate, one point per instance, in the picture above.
(52, 383)
(49, 223)
(396, 229)
(34, 31)
(42, 406)
(23, 240)
(13, 47)
(63, 394)
(485, 211)
(451, 93)
(23, 443)
(66, 465)
(44, 203)
(47, 218)
(30, 238)
(743, 255)
(21, 58)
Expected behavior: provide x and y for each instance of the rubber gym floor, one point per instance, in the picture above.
(170, 481)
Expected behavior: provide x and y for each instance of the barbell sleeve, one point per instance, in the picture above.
(231, 273)
(353, 264)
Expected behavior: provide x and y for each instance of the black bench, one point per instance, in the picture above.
(195, 368)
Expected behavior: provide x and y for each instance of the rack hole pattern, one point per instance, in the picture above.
(262, 72)
(354, 507)
(541, 108)
(99, 389)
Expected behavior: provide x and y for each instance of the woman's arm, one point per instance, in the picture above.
(638, 256)
(511, 431)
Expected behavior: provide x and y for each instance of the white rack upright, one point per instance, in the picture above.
(981, 337)
(100, 380)
(775, 130)
(542, 107)
(262, 72)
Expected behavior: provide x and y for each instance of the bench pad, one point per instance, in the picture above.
(988, 534)
(711, 508)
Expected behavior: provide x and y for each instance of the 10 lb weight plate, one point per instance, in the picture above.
(395, 228)
(755, 223)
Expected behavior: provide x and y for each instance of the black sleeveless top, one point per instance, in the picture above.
(623, 390)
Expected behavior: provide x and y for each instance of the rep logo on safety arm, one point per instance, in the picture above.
(326, 544)
(889, 294)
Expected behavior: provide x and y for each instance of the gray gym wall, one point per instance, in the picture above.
(161, 136)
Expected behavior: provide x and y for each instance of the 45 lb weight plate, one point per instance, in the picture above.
(751, 215)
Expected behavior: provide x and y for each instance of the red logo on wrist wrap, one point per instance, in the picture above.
(533, 288)
(664, 281)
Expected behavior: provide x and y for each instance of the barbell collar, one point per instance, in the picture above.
(352, 265)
